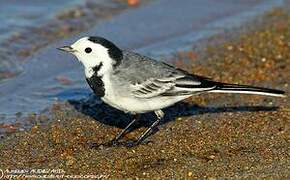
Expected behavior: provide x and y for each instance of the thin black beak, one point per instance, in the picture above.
(66, 49)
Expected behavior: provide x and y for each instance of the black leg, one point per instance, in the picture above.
(124, 131)
(159, 115)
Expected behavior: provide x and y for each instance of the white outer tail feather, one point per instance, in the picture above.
(248, 92)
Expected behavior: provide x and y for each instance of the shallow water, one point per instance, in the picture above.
(19, 20)
(18, 15)
(157, 29)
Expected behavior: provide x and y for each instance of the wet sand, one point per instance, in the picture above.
(208, 136)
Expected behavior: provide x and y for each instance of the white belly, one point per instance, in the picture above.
(137, 105)
(126, 102)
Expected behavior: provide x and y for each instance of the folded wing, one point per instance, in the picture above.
(177, 85)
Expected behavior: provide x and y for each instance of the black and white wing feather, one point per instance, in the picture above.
(148, 78)
(171, 86)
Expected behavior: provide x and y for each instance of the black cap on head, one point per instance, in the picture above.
(114, 52)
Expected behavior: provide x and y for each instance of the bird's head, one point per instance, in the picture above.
(95, 52)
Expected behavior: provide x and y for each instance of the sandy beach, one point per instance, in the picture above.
(212, 136)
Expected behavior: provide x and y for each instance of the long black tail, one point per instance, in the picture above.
(244, 89)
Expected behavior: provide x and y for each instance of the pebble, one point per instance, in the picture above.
(230, 48)
(211, 157)
(133, 2)
(101, 147)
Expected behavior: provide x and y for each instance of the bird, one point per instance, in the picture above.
(137, 84)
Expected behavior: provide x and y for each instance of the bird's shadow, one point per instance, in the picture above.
(95, 108)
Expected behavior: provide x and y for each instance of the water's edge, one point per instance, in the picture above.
(38, 87)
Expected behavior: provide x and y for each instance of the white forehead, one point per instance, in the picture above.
(81, 42)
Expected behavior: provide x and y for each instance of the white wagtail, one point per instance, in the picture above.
(137, 84)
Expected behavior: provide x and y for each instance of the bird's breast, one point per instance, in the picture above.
(97, 85)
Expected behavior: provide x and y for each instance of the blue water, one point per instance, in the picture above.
(18, 15)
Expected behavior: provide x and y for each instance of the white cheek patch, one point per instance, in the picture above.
(98, 55)
(103, 64)
(90, 62)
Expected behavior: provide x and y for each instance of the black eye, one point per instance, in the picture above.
(88, 50)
